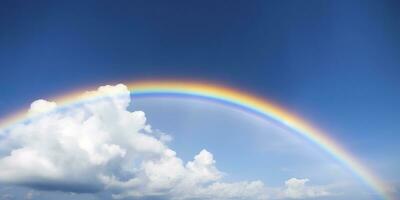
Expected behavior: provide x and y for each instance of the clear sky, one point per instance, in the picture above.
(335, 63)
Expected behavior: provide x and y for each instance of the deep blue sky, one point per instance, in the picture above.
(333, 62)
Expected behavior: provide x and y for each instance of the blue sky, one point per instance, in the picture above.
(333, 62)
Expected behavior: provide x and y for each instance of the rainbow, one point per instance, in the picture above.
(236, 98)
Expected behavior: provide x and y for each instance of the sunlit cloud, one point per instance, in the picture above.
(101, 146)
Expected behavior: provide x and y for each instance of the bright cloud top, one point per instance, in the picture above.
(101, 146)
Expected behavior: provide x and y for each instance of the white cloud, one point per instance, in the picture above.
(238, 190)
(29, 195)
(41, 106)
(297, 189)
(100, 145)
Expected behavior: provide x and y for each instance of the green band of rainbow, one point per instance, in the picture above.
(249, 102)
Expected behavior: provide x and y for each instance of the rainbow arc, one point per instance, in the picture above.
(234, 97)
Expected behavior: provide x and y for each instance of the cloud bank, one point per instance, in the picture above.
(101, 146)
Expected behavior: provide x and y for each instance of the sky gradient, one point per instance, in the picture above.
(335, 63)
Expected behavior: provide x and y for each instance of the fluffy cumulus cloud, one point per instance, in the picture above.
(100, 145)
(297, 189)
